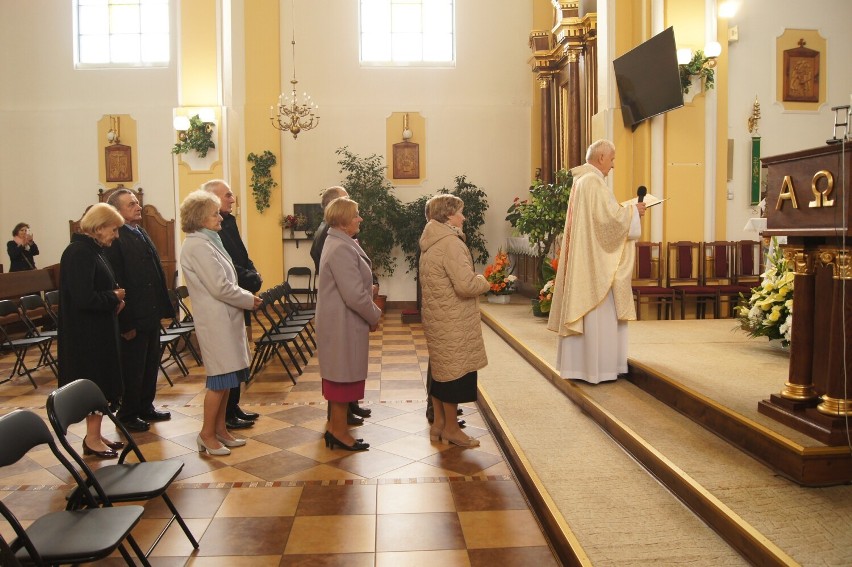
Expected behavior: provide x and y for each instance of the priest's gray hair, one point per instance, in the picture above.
(598, 148)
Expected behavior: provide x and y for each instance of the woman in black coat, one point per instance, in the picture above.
(21, 248)
(89, 302)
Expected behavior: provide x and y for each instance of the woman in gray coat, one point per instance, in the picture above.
(218, 304)
(345, 316)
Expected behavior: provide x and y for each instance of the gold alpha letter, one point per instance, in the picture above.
(821, 197)
(787, 194)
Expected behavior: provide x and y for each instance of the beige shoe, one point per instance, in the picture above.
(231, 442)
(462, 441)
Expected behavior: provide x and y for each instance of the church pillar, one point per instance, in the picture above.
(834, 401)
(799, 386)
(574, 130)
(545, 85)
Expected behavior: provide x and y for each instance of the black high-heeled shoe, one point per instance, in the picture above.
(331, 441)
(108, 454)
(114, 445)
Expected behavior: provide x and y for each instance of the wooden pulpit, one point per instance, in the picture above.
(808, 201)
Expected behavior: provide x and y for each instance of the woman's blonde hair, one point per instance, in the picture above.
(195, 208)
(99, 216)
(441, 207)
(340, 211)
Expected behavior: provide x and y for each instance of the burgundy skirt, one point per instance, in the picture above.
(343, 391)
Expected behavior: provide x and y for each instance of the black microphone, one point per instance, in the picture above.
(642, 191)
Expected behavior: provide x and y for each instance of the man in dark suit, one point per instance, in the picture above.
(138, 270)
(247, 278)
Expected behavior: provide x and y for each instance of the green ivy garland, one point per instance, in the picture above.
(696, 66)
(262, 183)
(198, 137)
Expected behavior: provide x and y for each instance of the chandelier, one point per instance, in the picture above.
(293, 113)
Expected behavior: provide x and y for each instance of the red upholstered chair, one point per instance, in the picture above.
(720, 273)
(686, 276)
(648, 286)
(749, 264)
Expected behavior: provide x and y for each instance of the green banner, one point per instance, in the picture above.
(755, 170)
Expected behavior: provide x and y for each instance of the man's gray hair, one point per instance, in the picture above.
(331, 194)
(211, 185)
(116, 195)
(598, 148)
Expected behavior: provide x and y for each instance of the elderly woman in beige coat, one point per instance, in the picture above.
(450, 316)
(218, 304)
(344, 318)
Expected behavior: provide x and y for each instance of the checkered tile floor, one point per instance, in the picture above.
(285, 499)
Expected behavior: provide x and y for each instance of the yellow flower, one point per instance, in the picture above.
(768, 286)
(774, 316)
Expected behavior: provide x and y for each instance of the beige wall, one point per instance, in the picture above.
(477, 116)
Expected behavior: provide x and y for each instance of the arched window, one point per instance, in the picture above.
(121, 33)
(407, 32)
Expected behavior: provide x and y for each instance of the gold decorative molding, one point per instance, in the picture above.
(804, 262)
(799, 392)
(839, 262)
(835, 407)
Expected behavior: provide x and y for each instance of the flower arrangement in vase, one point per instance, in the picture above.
(769, 311)
(501, 279)
(293, 222)
(545, 294)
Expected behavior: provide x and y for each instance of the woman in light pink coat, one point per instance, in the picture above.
(218, 304)
(345, 316)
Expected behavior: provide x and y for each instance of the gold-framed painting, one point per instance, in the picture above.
(801, 74)
(118, 161)
(406, 160)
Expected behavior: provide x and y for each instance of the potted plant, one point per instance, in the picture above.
(292, 222)
(541, 303)
(198, 137)
(367, 185)
(542, 215)
(412, 220)
(262, 182)
(769, 310)
(503, 282)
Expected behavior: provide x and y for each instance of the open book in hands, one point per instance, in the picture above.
(649, 201)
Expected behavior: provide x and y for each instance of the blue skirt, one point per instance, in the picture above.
(227, 381)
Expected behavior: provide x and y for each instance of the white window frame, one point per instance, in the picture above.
(451, 63)
(117, 34)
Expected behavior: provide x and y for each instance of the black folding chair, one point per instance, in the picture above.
(66, 536)
(272, 339)
(122, 482)
(41, 322)
(305, 274)
(9, 314)
(184, 330)
(182, 293)
(285, 322)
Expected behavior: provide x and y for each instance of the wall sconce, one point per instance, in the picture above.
(195, 133)
(699, 64)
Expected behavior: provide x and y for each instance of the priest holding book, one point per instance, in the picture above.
(592, 299)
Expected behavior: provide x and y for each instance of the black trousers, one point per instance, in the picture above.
(233, 400)
(140, 363)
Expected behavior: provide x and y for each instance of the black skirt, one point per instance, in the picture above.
(459, 391)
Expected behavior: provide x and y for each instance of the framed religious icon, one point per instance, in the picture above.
(801, 74)
(406, 160)
(118, 163)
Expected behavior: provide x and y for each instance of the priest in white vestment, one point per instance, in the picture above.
(592, 297)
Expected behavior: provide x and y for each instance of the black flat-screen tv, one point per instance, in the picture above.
(648, 79)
